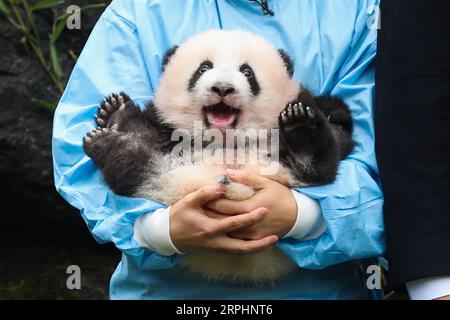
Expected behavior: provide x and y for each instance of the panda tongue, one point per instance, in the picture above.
(221, 120)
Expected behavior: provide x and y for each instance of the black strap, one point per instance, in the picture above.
(264, 6)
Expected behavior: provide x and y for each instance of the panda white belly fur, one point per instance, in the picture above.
(179, 177)
(223, 79)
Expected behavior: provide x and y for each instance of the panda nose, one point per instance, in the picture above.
(222, 89)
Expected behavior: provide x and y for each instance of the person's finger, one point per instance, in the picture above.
(240, 221)
(213, 214)
(214, 226)
(204, 195)
(243, 234)
(241, 246)
(231, 207)
(254, 232)
(248, 178)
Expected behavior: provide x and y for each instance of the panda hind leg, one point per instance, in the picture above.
(122, 157)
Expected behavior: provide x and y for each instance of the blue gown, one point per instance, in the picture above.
(333, 46)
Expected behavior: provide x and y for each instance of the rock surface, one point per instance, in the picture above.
(42, 231)
(25, 126)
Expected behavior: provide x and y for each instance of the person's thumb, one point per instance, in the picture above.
(248, 178)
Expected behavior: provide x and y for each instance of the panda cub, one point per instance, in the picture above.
(221, 80)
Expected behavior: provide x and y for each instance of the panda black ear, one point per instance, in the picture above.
(169, 53)
(287, 62)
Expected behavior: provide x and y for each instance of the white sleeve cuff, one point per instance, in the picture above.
(152, 231)
(429, 288)
(310, 223)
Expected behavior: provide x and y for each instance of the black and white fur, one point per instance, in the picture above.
(209, 75)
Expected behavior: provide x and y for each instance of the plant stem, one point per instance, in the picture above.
(36, 48)
(19, 17)
(47, 68)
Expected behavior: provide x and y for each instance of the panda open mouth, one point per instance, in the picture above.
(221, 116)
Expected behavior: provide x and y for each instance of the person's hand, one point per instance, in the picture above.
(277, 198)
(191, 228)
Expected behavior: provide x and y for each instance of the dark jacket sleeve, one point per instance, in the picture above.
(413, 136)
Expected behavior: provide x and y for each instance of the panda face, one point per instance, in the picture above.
(224, 91)
(226, 79)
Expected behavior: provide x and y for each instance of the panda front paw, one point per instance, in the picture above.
(297, 116)
(109, 106)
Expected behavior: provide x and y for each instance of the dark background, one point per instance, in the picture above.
(41, 234)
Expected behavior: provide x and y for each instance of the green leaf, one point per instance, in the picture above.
(44, 103)
(61, 22)
(30, 18)
(73, 55)
(58, 27)
(4, 9)
(26, 7)
(93, 6)
(13, 2)
(44, 4)
(56, 66)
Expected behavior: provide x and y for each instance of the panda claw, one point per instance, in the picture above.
(109, 105)
(100, 122)
(289, 111)
(309, 112)
(94, 135)
(297, 115)
(301, 111)
(296, 110)
(283, 117)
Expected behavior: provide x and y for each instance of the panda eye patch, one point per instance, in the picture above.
(203, 68)
(247, 73)
(246, 70)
